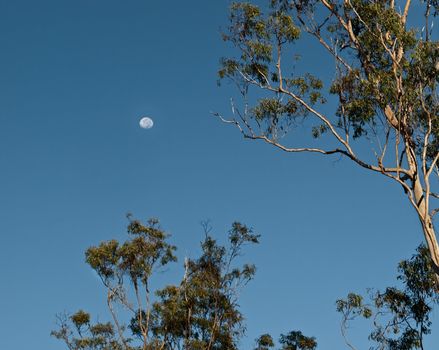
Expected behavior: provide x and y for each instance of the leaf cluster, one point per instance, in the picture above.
(136, 258)
(381, 63)
(294, 340)
(79, 333)
(401, 317)
(201, 312)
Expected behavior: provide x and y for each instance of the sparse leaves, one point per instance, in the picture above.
(295, 340)
(264, 342)
(384, 88)
(401, 316)
(201, 312)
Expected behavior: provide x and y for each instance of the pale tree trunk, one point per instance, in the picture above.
(429, 233)
(404, 128)
(430, 238)
(427, 225)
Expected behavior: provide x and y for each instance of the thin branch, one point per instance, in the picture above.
(406, 12)
(116, 322)
(343, 328)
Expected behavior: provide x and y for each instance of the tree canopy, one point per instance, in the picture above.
(385, 68)
(202, 310)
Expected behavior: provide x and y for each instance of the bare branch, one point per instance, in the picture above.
(116, 321)
(406, 11)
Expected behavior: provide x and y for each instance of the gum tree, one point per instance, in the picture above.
(401, 318)
(200, 312)
(385, 88)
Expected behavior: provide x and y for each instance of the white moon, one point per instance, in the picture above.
(146, 123)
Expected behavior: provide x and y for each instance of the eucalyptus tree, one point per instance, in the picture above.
(385, 63)
(401, 317)
(294, 340)
(200, 312)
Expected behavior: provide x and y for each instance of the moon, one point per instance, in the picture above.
(146, 123)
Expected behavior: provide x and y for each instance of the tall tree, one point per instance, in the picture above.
(385, 88)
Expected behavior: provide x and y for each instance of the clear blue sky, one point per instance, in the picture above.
(75, 76)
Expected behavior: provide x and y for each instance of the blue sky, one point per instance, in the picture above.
(76, 76)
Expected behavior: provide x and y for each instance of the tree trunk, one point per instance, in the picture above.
(430, 239)
(427, 226)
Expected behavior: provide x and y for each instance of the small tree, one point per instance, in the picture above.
(294, 340)
(78, 333)
(401, 317)
(201, 312)
(264, 342)
(385, 87)
(132, 263)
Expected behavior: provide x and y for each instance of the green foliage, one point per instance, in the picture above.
(295, 340)
(353, 306)
(381, 64)
(135, 258)
(384, 87)
(264, 342)
(80, 318)
(424, 71)
(201, 312)
(401, 316)
(89, 336)
(255, 35)
(104, 258)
